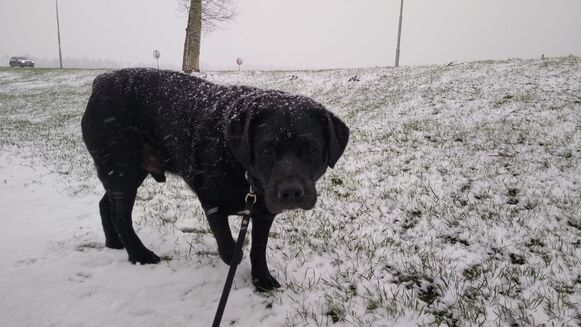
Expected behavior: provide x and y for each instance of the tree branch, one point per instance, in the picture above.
(214, 12)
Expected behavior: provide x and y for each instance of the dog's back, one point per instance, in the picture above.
(165, 110)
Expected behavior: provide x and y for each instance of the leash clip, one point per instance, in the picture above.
(251, 195)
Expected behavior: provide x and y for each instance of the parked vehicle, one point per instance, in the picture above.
(21, 62)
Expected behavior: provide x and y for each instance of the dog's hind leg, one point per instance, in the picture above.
(122, 193)
(112, 239)
(115, 149)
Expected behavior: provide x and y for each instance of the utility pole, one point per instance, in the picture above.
(59, 35)
(397, 62)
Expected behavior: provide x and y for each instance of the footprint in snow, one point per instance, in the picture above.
(97, 261)
(90, 245)
(80, 277)
(27, 262)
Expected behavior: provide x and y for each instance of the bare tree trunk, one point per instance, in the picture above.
(192, 42)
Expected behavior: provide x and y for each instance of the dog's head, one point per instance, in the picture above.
(285, 142)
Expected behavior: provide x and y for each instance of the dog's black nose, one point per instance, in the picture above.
(290, 192)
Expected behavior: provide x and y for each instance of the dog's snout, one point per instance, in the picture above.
(290, 192)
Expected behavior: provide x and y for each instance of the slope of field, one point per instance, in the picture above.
(456, 203)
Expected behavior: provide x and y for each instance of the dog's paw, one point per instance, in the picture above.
(114, 244)
(226, 256)
(264, 282)
(144, 258)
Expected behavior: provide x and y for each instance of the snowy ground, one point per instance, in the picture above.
(457, 203)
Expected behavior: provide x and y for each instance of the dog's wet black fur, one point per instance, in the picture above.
(144, 121)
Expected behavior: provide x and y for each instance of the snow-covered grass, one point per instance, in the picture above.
(456, 203)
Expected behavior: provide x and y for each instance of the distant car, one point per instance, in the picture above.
(21, 62)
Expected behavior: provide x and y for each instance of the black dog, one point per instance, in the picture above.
(145, 121)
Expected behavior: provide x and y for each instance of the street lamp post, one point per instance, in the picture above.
(397, 61)
(59, 35)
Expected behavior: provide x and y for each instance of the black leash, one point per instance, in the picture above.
(250, 201)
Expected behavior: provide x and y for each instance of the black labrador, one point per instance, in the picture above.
(144, 121)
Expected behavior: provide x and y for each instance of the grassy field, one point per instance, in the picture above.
(457, 202)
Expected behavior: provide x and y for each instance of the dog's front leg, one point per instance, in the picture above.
(262, 278)
(221, 231)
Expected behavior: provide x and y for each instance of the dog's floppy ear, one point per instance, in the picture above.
(337, 134)
(239, 130)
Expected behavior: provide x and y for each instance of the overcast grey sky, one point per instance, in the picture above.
(289, 34)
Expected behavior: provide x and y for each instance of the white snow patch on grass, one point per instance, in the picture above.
(456, 203)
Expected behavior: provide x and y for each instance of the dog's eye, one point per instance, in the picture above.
(268, 151)
(309, 149)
